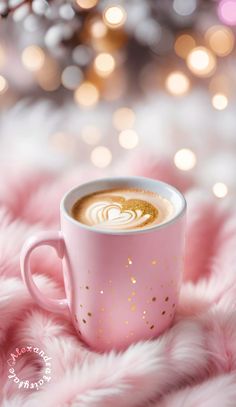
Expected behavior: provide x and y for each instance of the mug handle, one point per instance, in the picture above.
(53, 239)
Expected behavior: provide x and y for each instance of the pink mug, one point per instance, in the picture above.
(121, 286)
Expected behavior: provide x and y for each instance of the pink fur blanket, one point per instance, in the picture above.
(193, 364)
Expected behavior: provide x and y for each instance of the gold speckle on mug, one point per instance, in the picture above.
(87, 287)
(151, 327)
(167, 299)
(101, 292)
(129, 261)
(133, 280)
(133, 307)
(89, 314)
(154, 262)
(129, 299)
(163, 313)
(84, 321)
(126, 322)
(133, 293)
(154, 299)
(102, 309)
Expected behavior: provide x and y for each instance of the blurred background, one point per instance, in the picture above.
(121, 87)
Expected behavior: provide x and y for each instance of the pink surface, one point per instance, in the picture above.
(191, 364)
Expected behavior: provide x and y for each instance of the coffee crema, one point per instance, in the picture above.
(122, 209)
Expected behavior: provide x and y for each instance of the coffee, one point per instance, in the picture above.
(122, 209)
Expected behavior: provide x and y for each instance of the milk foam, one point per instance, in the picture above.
(122, 209)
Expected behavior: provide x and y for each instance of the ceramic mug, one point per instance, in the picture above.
(121, 286)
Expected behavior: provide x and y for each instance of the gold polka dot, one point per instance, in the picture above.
(144, 312)
(163, 312)
(89, 314)
(87, 287)
(84, 321)
(129, 299)
(167, 299)
(81, 306)
(151, 327)
(133, 307)
(129, 261)
(154, 262)
(126, 322)
(133, 293)
(153, 298)
(101, 292)
(133, 280)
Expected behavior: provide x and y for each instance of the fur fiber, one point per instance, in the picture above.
(193, 364)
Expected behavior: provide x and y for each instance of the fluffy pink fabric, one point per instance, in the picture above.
(193, 364)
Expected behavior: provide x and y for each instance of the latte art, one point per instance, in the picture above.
(122, 209)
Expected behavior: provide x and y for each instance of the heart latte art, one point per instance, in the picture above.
(122, 209)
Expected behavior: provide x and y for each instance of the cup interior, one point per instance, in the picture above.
(165, 190)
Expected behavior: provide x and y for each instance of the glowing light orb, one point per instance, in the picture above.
(220, 39)
(101, 156)
(201, 61)
(114, 16)
(220, 189)
(177, 83)
(33, 58)
(123, 118)
(227, 11)
(219, 101)
(185, 159)
(184, 44)
(86, 95)
(104, 64)
(128, 139)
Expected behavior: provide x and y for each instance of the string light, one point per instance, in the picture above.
(219, 101)
(220, 39)
(101, 156)
(87, 4)
(104, 64)
(184, 44)
(177, 83)
(201, 61)
(3, 85)
(91, 134)
(128, 139)
(114, 16)
(227, 11)
(33, 58)
(123, 118)
(185, 159)
(86, 94)
(220, 189)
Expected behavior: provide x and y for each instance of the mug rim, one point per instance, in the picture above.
(178, 215)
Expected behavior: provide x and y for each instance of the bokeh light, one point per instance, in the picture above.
(219, 101)
(86, 95)
(227, 11)
(2, 56)
(87, 4)
(49, 76)
(91, 134)
(220, 39)
(220, 189)
(177, 83)
(104, 64)
(123, 118)
(3, 85)
(183, 7)
(71, 77)
(33, 58)
(201, 61)
(185, 159)
(128, 139)
(98, 29)
(184, 44)
(101, 156)
(114, 16)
